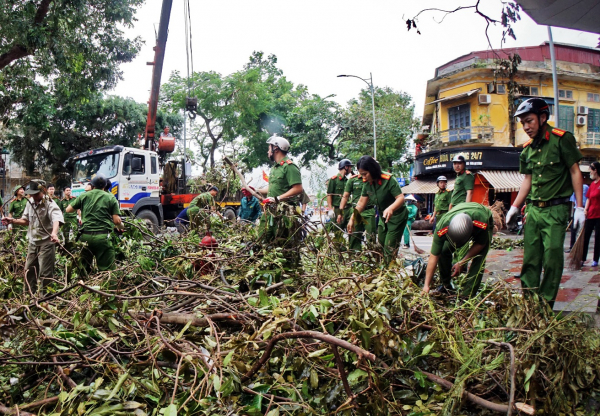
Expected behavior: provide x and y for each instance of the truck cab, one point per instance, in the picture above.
(133, 174)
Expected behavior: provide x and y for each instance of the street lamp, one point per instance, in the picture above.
(370, 84)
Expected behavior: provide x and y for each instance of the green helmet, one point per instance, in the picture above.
(16, 189)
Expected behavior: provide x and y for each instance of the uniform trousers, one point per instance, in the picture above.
(545, 230)
(474, 275)
(39, 266)
(390, 234)
(99, 246)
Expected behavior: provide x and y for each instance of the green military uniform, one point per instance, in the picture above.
(335, 187)
(548, 162)
(483, 228)
(383, 193)
(16, 209)
(354, 187)
(198, 210)
(70, 227)
(273, 227)
(97, 208)
(464, 182)
(441, 203)
(412, 215)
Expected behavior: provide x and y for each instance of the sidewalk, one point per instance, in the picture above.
(578, 289)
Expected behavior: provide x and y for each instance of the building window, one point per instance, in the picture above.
(534, 91)
(501, 89)
(593, 121)
(566, 117)
(565, 94)
(459, 121)
(593, 97)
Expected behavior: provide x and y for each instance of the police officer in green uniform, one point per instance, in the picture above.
(201, 206)
(352, 193)
(413, 210)
(441, 204)
(464, 183)
(549, 162)
(99, 215)
(465, 222)
(384, 191)
(69, 229)
(283, 193)
(51, 190)
(335, 190)
(17, 206)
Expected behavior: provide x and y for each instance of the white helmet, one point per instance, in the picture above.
(279, 142)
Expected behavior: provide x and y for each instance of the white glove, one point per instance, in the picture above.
(578, 218)
(511, 217)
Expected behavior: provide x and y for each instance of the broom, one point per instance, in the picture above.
(417, 249)
(576, 254)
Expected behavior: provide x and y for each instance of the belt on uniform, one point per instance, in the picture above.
(549, 203)
(95, 232)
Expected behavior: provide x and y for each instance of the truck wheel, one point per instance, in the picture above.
(229, 214)
(150, 218)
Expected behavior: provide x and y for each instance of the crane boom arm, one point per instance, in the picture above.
(159, 57)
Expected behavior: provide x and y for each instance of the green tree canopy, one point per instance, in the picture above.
(67, 47)
(50, 132)
(395, 123)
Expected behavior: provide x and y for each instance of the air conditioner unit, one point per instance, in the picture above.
(581, 120)
(583, 110)
(485, 99)
(491, 87)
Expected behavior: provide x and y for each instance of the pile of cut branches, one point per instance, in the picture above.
(181, 330)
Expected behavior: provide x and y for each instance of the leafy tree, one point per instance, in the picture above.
(74, 48)
(395, 123)
(47, 134)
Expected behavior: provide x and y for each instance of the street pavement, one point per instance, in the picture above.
(578, 290)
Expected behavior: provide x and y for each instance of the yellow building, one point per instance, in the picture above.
(467, 111)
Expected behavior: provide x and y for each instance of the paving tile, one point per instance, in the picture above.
(567, 294)
(595, 280)
(565, 278)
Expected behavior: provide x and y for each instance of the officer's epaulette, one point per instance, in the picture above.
(480, 224)
(289, 161)
(558, 132)
(334, 176)
(528, 143)
(354, 176)
(386, 176)
(468, 172)
(443, 231)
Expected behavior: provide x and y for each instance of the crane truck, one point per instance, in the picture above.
(135, 174)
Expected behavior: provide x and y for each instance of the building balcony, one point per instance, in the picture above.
(468, 136)
(591, 141)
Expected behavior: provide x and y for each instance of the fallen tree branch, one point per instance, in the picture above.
(242, 179)
(62, 374)
(501, 408)
(511, 350)
(8, 411)
(184, 318)
(305, 334)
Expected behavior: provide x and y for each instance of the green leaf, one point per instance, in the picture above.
(264, 298)
(356, 374)
(228, 358)
(170, 410)
(528, 377)
(317, 353)
(314, 379)
(274, 412)
(314, 292)
(427, 348)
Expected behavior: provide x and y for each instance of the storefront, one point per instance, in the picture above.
(496, 171)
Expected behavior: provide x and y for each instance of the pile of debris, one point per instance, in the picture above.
(184, 329)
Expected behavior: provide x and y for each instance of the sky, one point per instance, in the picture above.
(315, 41)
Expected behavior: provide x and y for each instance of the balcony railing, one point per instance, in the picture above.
(473, 135)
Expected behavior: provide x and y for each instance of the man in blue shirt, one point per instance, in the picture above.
(575, 230)
(250, 207)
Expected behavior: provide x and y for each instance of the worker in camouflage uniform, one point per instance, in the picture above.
(550, 163)
(351, 196)
(201, 207)
(441, 204)
(17, 206)
(99, 215)
(464, 183)
(69, 229)
(413, 210)
(335, 190)
(280, 223)
(466, 222)
(383, 191)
